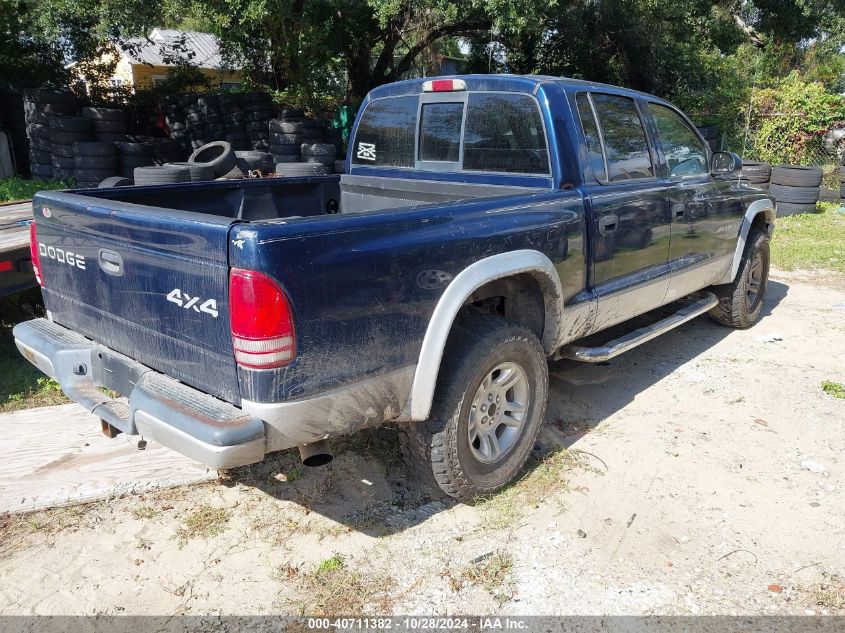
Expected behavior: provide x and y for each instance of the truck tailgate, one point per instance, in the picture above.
(151, 283)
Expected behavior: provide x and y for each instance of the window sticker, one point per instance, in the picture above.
(366, 151)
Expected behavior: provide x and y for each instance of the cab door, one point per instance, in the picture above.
(628, 209)
(706, 211)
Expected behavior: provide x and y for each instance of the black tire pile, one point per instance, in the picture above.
(65, 132)
(93, 162)
(795, 188)
(239, 119)
(109, 123)
(40, 108)
(133, 154)
(258, 111)
(712, 135)
(303, 146)
(758, 174)
(14, 124)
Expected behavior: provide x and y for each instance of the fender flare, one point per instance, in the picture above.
(469, 280)
(757, 207)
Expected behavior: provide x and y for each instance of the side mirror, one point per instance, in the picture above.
(725, 163)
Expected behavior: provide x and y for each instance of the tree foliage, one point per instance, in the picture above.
(791, 119)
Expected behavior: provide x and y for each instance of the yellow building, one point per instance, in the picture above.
(143, 62)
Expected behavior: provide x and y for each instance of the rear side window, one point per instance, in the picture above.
(591, 133)
(385, 136)
(504, 133)
(440, 131)
(625, 142)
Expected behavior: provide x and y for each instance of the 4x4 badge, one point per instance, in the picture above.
(184, 300)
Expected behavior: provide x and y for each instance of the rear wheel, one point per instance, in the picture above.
(741, 302)
(488, 408)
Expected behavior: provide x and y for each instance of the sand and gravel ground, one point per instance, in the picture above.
(702, 473)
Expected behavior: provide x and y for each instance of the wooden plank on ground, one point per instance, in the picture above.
(57, 456)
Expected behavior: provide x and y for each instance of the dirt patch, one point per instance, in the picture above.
(699, 474)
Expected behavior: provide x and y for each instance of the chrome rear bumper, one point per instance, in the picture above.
(189, 421)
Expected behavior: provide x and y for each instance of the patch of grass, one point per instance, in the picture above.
(811, 240)
(16, 528)
(834, 389)
(543, 478)
(492, 573)
(204, 522)
(23, 386)
(334, 589)
(143, 512)
(828, 594)
(330, 565)
(17, 188)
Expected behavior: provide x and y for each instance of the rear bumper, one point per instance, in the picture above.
(194, 423)
(190, 422)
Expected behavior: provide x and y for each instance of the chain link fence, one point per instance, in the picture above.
(825, 151)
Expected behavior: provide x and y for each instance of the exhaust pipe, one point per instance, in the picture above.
(315, 454)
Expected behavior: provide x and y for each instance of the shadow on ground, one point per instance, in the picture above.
(367, 488)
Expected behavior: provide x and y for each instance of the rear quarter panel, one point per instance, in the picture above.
(363, 286)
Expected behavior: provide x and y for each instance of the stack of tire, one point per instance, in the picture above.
(758, 174)
(234, 122)
(65, 132)
(175, 119)
(93, 162)
(195, 123)
(795, 188)
(711, 135)
(211, 107)
(255, 161)
(286, 136)
(132, 154)
(14, 123)
(109, 124)
(40, 107)
(258, 111)
(166, 150)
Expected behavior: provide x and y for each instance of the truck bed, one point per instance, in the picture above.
(286, 198)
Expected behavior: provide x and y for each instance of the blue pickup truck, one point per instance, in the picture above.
(487, 224)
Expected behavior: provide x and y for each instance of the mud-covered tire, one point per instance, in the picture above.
(439, 450)
(736, 309)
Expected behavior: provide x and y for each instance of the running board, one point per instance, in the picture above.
(695, 307)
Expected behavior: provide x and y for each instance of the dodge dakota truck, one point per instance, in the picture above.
(487, 224)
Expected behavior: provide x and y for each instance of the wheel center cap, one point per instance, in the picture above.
(491, 410)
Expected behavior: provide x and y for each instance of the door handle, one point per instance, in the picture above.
(608, 224)
(111, 262)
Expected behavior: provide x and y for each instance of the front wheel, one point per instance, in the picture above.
(489, 406)
(741, 302)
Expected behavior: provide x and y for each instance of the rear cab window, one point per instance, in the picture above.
(496, 132)
(385, 136)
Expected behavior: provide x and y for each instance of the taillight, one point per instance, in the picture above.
(33, 253)
(262, 321)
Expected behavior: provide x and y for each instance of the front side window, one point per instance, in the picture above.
(625, 144)
(684, 152)
(504, 133)
(385, 136)
(440, 132)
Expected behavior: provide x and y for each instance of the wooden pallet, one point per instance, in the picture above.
(14, 225)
